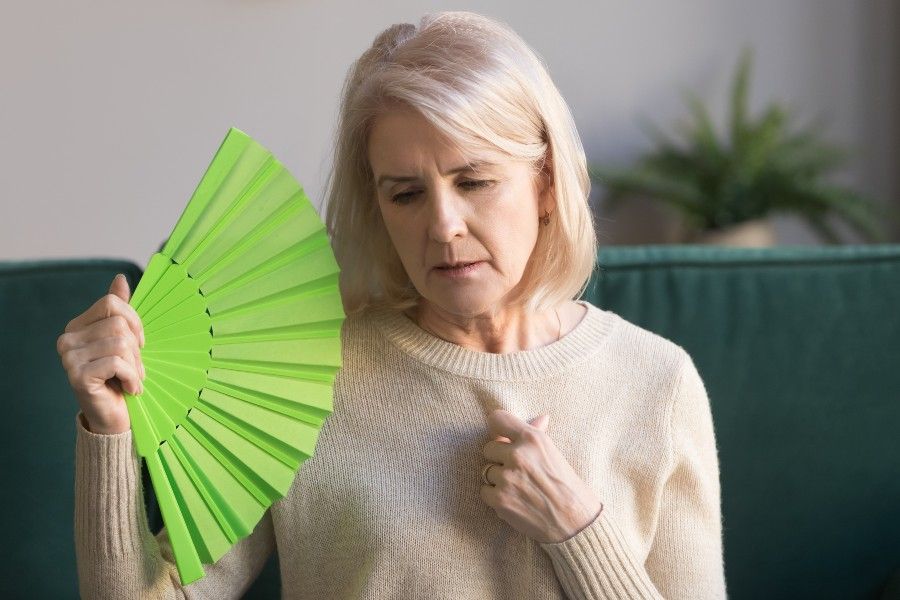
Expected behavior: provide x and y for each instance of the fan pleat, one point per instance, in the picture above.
(155, 268)
(219, 223)
(263, 475)
(266, 206)
(145, 435)
(182, 374)
(175, 514)
(301, 411)
(212, 542)
(297, 236)
(292, 441)
(317, 329)
(314, 351)
(310, 307)
(173, 286)
(221, 167)
(313, 393)
(206, 517)
(236, 184)
(193, 307)
(195, 327)
(310, 263)
(274, 300)
(161, 413)
(241, 508)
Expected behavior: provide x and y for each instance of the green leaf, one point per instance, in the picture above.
(703, 136)
(805, 155)
(760, 140)
(860, 213)
(622, 184)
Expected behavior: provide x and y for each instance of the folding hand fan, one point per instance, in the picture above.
(242, 317)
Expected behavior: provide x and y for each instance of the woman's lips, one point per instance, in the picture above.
(456, 272)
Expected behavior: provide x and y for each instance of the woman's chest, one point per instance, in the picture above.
(405, 461)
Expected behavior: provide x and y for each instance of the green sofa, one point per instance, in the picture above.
(799, 348)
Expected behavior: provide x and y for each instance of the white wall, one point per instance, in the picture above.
(111, 111)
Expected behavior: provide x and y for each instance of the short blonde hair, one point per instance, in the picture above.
(482, 86)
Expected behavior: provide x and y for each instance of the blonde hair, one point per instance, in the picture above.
(482, 86)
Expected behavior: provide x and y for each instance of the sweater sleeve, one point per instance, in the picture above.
(117, 555)
(685, 559)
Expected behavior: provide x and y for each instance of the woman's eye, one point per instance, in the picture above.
(477, 183)
(473, 184)
(399, 198)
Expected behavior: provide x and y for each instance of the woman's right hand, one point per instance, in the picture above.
(100, 351)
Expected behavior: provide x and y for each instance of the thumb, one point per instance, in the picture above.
(541, 421)
(119, 287)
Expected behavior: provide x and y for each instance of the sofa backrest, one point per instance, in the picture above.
(799, 348)
(37, 300)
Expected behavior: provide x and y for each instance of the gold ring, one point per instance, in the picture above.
(484, 472)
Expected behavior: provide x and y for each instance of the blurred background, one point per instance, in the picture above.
(111, 112)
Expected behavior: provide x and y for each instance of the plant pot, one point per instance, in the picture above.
(758, 233)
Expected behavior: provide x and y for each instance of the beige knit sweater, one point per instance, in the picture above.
(389, 505)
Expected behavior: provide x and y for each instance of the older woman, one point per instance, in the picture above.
(491, 436)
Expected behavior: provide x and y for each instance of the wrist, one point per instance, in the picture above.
(103, 428)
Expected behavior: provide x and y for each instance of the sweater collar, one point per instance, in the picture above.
(578, 344)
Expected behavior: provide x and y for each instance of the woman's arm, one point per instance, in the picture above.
(685, 559)
(118, 556)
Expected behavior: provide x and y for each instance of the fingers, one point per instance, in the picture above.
(117, 322)
(122, 346)
(102, 338)
(503, 453)
(503, 450)
(116, 325)
(119, 287)
(108, 306)
(98, 371)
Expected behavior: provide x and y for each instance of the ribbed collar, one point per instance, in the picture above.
(545, 361)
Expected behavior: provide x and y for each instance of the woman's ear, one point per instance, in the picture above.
(546, 193)
(546, 175)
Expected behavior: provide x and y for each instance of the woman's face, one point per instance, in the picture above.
(438, 210)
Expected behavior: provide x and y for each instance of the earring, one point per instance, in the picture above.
(546, 218)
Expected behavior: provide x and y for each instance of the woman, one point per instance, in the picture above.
(491, 437)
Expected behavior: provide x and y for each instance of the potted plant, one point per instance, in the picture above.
(725, 191)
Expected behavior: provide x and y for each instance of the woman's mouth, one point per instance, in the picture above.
(460, 271)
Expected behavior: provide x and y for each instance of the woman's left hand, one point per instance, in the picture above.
(534, 488)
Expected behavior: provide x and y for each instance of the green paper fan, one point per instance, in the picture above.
(242, 317)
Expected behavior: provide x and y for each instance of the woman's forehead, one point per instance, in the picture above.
(406, 160)
(403, 144)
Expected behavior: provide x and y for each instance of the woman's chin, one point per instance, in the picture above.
(461, 304)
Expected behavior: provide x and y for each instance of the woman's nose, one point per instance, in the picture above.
(446, 219)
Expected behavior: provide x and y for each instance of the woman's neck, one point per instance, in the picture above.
(500, 332)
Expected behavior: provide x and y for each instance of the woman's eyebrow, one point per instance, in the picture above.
(474, 166)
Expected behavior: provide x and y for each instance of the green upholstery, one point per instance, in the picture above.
(799, 348)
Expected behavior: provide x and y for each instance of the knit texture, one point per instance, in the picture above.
(389, 506)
